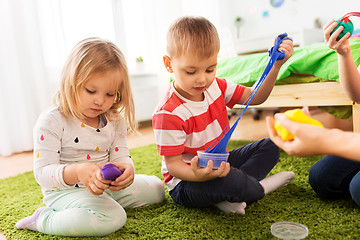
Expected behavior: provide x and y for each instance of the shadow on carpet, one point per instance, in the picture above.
(20, 196)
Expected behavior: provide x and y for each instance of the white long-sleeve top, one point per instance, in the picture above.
(59, 141)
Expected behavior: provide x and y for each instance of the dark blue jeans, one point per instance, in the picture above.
(336, 177)
(249, 164)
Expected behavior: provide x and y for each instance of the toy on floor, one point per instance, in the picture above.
(346, 23)
(110, 172)
(289, 230)
(295, 115)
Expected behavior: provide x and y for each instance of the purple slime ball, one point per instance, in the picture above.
(110, 172)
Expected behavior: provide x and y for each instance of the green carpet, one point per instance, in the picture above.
(20, 196)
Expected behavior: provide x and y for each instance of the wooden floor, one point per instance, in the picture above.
(247, 129)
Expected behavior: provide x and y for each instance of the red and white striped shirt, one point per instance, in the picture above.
(183, 127)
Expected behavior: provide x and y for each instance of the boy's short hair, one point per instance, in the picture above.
(192, 34)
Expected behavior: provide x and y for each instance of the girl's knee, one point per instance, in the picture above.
(156, 193)
(119, 214)
(86, 222)
(113, 220)
(144, 191)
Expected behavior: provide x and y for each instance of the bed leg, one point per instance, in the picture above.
(356, 117)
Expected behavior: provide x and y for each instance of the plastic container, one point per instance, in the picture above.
(289, 230)
(217, 158)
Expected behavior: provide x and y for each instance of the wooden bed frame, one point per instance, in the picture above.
(311, 94)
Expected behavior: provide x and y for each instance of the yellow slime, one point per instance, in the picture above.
(295, 115)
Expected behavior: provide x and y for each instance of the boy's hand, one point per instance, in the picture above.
(208, 173)
(287, 47)
(342, 46)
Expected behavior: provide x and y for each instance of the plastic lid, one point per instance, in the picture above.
(289, 230)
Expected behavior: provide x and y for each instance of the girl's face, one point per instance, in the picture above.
(193, 75)
(97, 96)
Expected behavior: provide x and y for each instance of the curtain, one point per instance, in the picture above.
(37, 36)
(24, 90)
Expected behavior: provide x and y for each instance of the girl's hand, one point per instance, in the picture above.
(89, 174)
(342, 46)
(208, 173)
(125, 179)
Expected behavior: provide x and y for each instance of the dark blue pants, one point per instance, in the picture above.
(249, 164)
(336, 177)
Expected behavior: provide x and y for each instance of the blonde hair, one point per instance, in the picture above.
(192, 34)
(90, 57)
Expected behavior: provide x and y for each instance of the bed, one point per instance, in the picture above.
(309, 78)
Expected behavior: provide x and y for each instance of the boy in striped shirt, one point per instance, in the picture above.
(193, 114)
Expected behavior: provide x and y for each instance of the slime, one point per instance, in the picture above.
(110, 172)
(220, 147)
(295, 115)
(346, 23)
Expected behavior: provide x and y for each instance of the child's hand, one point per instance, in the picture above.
(305, 136)
(125, 179)
(89, 174)
(208, 173)
(287, 47)
(342, 46)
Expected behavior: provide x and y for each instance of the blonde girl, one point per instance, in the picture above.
(85, 129)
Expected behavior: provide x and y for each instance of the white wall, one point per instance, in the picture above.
(292, 16)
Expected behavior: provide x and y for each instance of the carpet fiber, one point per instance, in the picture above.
(326, 219)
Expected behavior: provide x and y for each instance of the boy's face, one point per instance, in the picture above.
(193, 75)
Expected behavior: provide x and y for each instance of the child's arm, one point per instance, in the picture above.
(179, 169)
(88, 174)
(48, 171)
(349, 75)
(312, 140)
(269, 82)
(119, 151)
(120, 156)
